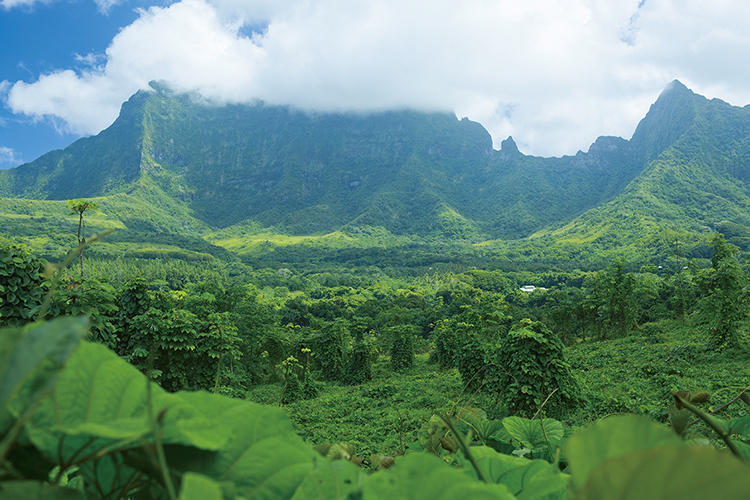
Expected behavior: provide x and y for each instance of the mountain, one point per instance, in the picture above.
(234, 176)
(410, 172)
(696, 178)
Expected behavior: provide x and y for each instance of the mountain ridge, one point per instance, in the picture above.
(456, 146)
(425, 175)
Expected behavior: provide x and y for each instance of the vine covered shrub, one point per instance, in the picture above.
(218, 352)
(297, 381)
(526, 368)
(21, 292)
(328, 347)
(164, 346)
(177, 347)
(134, 300)
(725, 296)
(447, 342)
(359, 369)
(402, 347)
(470, 361)
(92, 298)
(613, 300)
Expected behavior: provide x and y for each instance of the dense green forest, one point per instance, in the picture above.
(158, 377)
(256, 302)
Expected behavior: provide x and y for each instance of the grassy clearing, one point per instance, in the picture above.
(633, 374)
(637, 373)
(254, 243)
(381, 416)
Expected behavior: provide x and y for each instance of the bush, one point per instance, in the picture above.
(527, 367)
(402, 347)
(21, 292)
(470, 361)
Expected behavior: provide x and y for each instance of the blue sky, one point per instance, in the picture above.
(41, 38)
(554, 75)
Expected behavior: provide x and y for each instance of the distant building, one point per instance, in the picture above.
(531, 288)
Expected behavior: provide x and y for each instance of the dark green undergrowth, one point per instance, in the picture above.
(638, 372)
(383, 415)
(633, 374)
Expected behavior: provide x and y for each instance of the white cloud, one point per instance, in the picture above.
(555, 75)
(105, 5)
(9, 4)
(102, 5)
(90, 60)
(9, 158)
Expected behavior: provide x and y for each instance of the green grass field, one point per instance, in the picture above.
(633, 374)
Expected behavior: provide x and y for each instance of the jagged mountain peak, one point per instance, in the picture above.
(607, 143)
(406, 171)
(676, 86)
(508, 146)
(667, 119)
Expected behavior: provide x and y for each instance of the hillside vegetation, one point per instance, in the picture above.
(156, 377)
(251, 302)
(272, 185)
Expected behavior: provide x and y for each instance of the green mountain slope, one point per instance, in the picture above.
(699, 184)
(176, 171)
(409, 172)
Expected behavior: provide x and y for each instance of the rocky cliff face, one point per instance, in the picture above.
(407, 171)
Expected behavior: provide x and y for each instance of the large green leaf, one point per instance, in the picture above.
(741, 426)
(264, 458)
(101, 396)
(743, 448)
(524, 478)
(612, 437)
(330, 480)
(99, 407)
(32, 490)
(423, 476)
(536, 433)
(199, 487)
(98, 413)
(667, 472)
(31, 358)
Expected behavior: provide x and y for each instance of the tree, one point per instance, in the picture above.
(78, 207)
(725, 294)
(526, 368)
(612, 298)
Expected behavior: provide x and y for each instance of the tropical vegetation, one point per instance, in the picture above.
(254, 302)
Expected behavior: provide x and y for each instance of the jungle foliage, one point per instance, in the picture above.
(149, 391)
(300, 305)
(81, 422)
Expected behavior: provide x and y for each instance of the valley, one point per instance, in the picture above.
(286, 304)
(266, 184)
